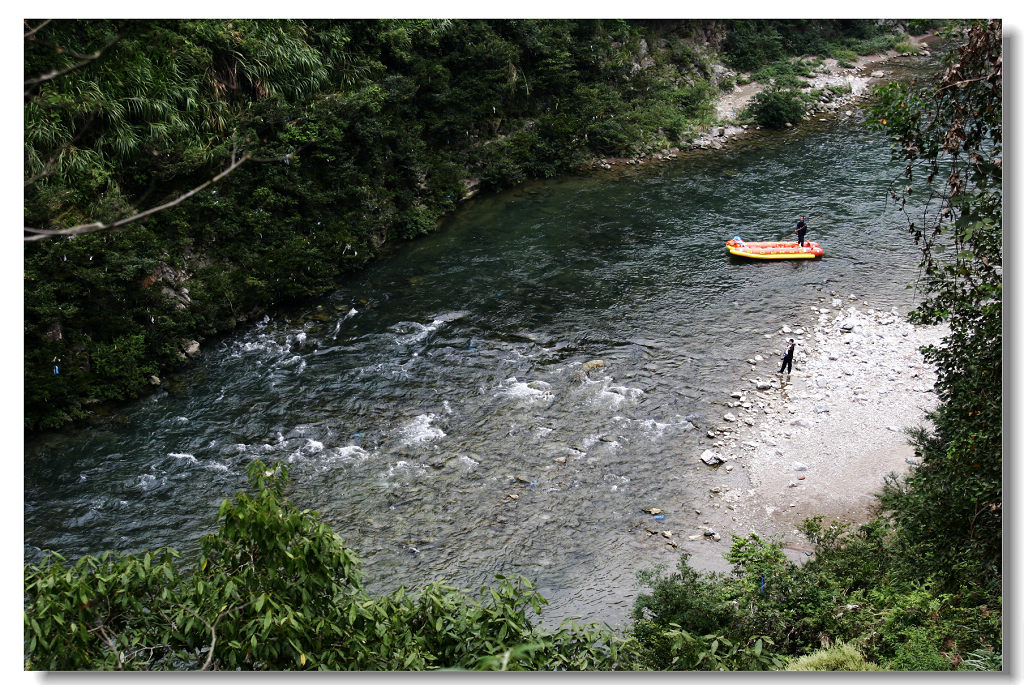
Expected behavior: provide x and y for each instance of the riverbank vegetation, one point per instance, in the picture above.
(917, 588)
(332, 141)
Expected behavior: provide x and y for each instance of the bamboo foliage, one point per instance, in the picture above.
(153, 89)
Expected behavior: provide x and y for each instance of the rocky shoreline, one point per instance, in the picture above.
(818, 442)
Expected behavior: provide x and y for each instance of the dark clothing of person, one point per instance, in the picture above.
(801, 230)
(787, 359)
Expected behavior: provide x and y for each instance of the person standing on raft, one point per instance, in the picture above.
(787, 358)
(801, 229)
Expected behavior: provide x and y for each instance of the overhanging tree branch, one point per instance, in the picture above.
(212, 627)
(84, 60)
(43, 233)
(31, 32)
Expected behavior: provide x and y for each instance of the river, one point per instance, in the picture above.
(414, 403)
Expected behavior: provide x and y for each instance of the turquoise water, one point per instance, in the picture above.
(410, 404)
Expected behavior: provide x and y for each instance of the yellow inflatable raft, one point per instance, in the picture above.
(779, 249)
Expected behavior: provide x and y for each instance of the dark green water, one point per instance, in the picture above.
(409, 402)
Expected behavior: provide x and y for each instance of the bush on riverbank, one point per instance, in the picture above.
(777, 107)
(840, 657)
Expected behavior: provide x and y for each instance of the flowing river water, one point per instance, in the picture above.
(414, 403)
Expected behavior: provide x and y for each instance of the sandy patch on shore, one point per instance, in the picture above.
(821, 441)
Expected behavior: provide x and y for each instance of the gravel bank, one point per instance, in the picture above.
(821, 441)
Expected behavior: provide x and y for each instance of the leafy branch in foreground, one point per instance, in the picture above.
(276, 589)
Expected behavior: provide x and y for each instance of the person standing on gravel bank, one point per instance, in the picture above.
(787, 358)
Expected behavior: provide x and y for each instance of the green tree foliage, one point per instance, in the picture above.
(276, 589)
(115, 110)
(949, 511)
(753, 43)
